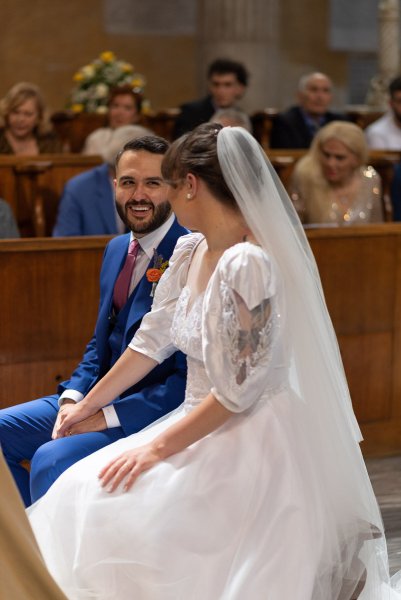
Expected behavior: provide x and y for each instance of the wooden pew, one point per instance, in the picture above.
(33, 187)
(162, 122)
(262, 121)
(48, 306)
(50, 295)
(73, 128)
(360, 268)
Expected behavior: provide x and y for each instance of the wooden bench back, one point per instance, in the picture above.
(50, 297)
(33, 187)
(48, 305)
(360, 269)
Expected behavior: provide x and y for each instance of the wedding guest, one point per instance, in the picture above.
(385, 133)
(24, 123)
(232, 117)
(124, 108)
(296, 127)
(227, 83)
(125, 297)
(8, 225)
(332, 184)
(87, 206)
(255, 487)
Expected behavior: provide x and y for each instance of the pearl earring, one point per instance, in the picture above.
(189, 196)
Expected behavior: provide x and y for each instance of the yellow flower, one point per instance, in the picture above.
(126, 68)
(107, 56)
(146, 108)
(137, 82)
(78, 76)
(77, 108)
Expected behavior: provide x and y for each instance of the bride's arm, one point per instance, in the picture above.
(205, 418)
(130, 368)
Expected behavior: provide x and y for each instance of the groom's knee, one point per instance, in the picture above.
(48, 463)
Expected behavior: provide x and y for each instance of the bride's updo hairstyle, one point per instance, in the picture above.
(196, 153)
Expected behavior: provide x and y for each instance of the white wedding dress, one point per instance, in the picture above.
(236, 516)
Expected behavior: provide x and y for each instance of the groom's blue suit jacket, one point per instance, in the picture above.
(163, 388)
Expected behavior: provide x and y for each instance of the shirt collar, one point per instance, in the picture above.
(313, 124)
(149, 242)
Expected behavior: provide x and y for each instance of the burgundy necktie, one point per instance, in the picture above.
(123, 282)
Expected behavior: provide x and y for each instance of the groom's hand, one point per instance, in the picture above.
(95, 422)
(66, 402)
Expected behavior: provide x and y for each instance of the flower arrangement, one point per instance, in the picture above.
(153, 275)
(94, 81)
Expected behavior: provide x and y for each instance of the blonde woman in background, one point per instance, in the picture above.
(24, 125)
(332, 184)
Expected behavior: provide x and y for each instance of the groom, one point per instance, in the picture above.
(25, 429)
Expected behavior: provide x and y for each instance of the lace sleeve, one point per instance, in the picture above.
(153, 337)
(241, 327)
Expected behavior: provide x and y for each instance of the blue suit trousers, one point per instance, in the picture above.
(25, 433)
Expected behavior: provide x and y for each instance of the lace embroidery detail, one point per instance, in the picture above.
(186, 328)
(250, 347)
(186, 332)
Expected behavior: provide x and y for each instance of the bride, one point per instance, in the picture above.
(255, 487)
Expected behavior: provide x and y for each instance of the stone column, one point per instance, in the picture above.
(247, 31)
(388, 54)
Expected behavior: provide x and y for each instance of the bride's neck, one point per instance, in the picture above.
(226, 231)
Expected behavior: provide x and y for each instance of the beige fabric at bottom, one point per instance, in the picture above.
(23, 574)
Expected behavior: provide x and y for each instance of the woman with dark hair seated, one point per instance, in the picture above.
(25, 124)
(124, 109)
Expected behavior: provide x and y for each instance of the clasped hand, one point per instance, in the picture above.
(68, 415)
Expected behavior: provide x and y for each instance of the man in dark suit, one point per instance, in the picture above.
(296, 127)
(26, 429)
(87, 205)
(227, 81)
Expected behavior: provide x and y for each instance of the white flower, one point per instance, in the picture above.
(101, 91)
(88, 71)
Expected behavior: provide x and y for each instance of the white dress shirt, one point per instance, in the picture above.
(384, 134)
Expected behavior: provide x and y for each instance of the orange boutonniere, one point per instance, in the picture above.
(153, 275)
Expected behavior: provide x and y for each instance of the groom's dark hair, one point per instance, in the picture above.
(147, 143)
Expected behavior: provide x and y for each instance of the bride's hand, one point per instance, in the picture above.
(127, 467)
(68, 415)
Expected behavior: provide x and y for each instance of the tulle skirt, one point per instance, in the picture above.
(240, 515)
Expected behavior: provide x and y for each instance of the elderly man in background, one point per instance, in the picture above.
(296, 127)
(385, 133)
